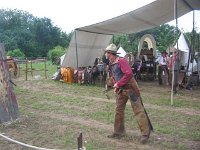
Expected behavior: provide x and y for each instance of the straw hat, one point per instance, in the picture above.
(112, 49)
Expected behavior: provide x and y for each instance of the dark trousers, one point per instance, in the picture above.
(162, 69)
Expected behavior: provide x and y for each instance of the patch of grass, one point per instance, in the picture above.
(173, 145)
(41, 99)
(167, 102)
(165, 122)
(104, 112)
(103, 116)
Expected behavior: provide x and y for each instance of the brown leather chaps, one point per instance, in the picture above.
(131, 91)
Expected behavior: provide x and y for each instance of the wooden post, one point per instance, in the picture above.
(172, 88)
(18, 69)
(8, 103)
(45, 68)
(80, 141)
(26, 69)
(31, 69)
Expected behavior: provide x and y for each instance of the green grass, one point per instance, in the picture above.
(176, 124)
(165, 122)
(38, 97)
(177, 102)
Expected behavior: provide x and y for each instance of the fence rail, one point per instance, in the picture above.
(28, 68)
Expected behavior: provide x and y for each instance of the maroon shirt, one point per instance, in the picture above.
(125, 69)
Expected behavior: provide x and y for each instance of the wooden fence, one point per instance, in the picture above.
(25, 66)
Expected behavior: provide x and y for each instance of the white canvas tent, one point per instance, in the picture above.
(182, 46)
(84, 48)
(88, 42)
(121, 52)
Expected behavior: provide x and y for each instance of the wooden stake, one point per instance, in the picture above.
(80, 141)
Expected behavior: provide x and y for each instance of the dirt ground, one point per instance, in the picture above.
(54, 113)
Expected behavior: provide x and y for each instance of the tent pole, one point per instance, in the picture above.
(198, 43)
(189, 57)
(173, 61)
(198, 59)
(76, 51)
(193, 41)
(191, 47)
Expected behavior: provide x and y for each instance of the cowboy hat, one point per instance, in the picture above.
(112, 49)
(164, 51)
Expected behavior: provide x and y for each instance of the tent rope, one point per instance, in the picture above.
(23, 144)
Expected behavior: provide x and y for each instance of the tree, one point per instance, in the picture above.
(55, 54)
(123, 40)
(33, 36)
(193, 38)
(16, 53)
(164, 35)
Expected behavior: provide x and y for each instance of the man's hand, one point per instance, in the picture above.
(116, 89)
(115, 86)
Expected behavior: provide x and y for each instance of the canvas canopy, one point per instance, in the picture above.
(89, 42)
(85, 47)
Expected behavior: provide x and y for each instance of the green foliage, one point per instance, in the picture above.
(55, 54)
(193, 38)
(164, 35)
(124, 41)
(16, 53)
(33, 36)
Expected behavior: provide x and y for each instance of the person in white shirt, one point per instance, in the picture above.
(162, 68)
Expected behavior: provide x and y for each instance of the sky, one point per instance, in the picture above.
(72, 14)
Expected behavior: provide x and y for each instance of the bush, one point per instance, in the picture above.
(16, 53)
(55, 54)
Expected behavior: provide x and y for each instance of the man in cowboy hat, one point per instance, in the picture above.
(125, 87)
(162, 66)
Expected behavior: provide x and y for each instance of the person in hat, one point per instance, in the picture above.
(163, 67)
(126, 87)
